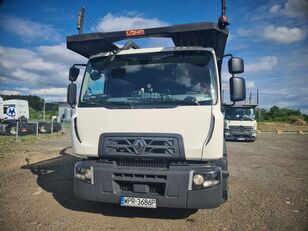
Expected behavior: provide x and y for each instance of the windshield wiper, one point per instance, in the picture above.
(118, 104)
(110, 58)
(186, 101)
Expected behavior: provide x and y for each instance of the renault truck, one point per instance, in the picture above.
(148, 122)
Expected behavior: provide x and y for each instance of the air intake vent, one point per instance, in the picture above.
(142, 164)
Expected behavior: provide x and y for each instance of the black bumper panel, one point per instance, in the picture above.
(240, 135)
(170, 187)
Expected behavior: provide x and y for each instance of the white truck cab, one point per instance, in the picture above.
(240, 123)
(148, 123)
(15, 109)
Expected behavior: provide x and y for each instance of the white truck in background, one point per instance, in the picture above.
(240, 123)
(15, 110)
(148, 123)
(14, 116)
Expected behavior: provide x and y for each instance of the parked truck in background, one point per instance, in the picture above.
(15, 109)
(14, 116)
(240, 123)
(148, 123)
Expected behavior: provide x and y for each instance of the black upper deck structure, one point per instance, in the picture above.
(195, 34)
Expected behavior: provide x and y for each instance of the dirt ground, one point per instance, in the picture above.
(268, 190)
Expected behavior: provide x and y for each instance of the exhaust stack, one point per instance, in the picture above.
(223, 19)
(80, 20)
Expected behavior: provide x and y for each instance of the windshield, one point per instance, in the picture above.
(233, 113)
(165, 79)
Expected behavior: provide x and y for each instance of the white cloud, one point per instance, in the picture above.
(244, 32)
(283, 34)
(41, 70)
(52, 91)
(264, 64)
(28, 30)
(250, 84)
(116, 23)
(134, 20)
(10, 92)
(292, 8)
(275, 8)
(59, 54)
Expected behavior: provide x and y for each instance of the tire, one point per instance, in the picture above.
(31, 127)
(12, 129)
(44, 128)
(56, 127)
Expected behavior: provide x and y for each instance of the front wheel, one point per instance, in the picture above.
(12, 129)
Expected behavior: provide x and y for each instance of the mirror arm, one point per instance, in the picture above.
(229, 105)
(226, 55)
(80, 64)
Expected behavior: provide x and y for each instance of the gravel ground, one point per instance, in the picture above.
(268, 191)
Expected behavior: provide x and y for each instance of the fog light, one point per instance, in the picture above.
(210, 183)
(198, 180)
(227, 133)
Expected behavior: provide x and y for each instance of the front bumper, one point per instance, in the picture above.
(171, 187)
(240, 135)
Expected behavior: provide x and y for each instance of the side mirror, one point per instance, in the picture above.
(95, 75)
(237, 89)
(72, 94)
(73, 73)
(236, 66)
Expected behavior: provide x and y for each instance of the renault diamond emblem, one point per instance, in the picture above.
(139, 145)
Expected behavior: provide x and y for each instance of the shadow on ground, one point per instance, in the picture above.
(56, 176)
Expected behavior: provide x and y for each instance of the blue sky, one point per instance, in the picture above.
(271, 36)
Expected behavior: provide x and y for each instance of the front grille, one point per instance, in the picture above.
(146, 145)
(240, 127)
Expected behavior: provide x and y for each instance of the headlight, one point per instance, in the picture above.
(198, 180)
(226, 125)
(227, 133)
(206, 179)
(84, 173)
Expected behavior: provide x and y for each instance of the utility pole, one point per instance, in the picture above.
(259, 111)
(44, 110)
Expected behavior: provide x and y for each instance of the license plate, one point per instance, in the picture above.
(138, 202)
(241, 138)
